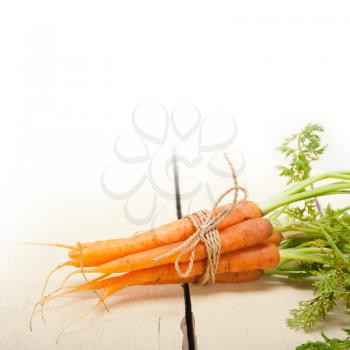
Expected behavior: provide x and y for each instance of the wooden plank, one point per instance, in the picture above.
(53, 205)
(141, 317)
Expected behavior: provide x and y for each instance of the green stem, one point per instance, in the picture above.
(344, 209)
(299, 228)
(277, 202)
(336, 250)
(300, 186)
(304, 254)
(277, 272)
(277, 213)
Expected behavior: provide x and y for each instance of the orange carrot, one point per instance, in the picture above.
(275, 238)
(227, 277)
(259, 257)
(242, 235)
(101, 252)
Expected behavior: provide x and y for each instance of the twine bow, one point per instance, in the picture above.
(207, 232)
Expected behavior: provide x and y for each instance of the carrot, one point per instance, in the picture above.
(228, 277)
(259, 257)
(275, 238)
(100, 252)
(242, 235)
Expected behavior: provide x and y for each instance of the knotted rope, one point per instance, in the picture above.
(207, 232)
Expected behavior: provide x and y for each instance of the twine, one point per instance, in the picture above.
(207, 232)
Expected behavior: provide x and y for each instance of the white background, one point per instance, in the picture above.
(71, 74)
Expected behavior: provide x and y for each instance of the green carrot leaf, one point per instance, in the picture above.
(300, 150)
(328, 343)
(327, 292)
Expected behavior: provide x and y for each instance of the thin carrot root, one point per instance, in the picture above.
(32, 315)
(75, 272)
(58, 245)
(44, 288)
(87, 281)
(53, 295)
(50, 296)
(49, 275)
(41, 302)
(65, 290)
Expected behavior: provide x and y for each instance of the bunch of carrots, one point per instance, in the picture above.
(249, 244)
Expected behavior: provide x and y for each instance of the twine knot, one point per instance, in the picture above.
(207, 232)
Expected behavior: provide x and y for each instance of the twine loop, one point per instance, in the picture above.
(207, 232)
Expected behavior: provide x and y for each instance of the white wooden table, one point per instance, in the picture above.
(60, 199)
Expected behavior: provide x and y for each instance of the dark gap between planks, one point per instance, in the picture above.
(185, 286)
